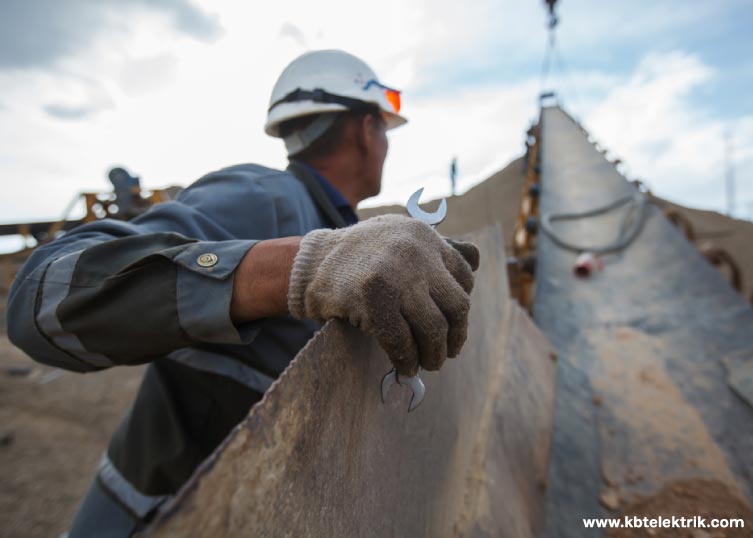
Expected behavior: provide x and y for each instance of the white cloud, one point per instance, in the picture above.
(180, 108)
(664, 138)
(177, 108)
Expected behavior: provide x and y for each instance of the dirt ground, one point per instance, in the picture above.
(54, 425)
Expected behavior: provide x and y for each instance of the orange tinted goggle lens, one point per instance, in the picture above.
(393, 97)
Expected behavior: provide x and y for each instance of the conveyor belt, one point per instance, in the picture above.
(644, 349)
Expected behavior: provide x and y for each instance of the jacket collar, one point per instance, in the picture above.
(317, 192)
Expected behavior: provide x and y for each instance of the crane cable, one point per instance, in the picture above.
(548, 55)
(553, 57)
(633, 220)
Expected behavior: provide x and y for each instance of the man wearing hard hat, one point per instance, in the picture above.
(219, 289)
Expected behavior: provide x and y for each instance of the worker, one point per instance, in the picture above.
(127, 193)
(219, 289)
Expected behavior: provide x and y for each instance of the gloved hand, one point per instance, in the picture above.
(393, 277)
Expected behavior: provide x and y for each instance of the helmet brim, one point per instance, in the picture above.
(393, 120)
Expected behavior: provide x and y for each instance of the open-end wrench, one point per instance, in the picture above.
(392, 377)
(432, 219)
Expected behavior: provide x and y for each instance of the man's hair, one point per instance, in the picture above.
(328, 143)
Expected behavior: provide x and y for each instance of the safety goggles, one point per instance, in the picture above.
(392, 95)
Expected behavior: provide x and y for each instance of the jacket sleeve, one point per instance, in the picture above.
(112, 292)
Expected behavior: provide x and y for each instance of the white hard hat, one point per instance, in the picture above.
(327, 81)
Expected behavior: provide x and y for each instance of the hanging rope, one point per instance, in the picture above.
(629, 228)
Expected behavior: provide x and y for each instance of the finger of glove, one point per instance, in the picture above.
(459, 268)
(396, 339)
(384, 321)
(429, 328)
(401, 348)
(469, 251)
(454, 303)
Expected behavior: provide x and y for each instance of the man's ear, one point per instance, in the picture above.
(369, 127)
(363, 129)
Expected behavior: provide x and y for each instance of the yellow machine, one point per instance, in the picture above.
(118, 204)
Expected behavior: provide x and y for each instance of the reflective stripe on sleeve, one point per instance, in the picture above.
(55, 288)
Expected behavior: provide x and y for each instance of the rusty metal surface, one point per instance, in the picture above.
(642, 394)
(321, 456)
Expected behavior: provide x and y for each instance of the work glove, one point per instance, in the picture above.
(396, 279)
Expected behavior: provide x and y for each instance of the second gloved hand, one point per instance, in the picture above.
(393, 277)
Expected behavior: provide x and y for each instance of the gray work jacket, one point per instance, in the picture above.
(157, 290)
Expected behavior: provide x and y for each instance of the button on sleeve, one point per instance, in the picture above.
(205, 288)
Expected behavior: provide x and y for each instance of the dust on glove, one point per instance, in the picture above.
(393, 277)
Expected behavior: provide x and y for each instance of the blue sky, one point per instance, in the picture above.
(173, 89)
(717, 33)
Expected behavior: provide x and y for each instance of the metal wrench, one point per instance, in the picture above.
(392, 377)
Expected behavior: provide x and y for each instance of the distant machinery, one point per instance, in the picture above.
(126, 201)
